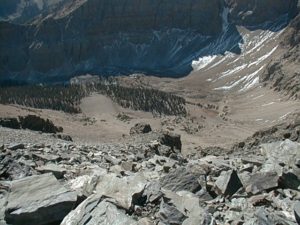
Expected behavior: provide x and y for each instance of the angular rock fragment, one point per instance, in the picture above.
(38, 200)
(183, 178)
(126, 191)
(228, 183)
(297, 212)
(56, 170)
(169, 214)
(96, 211)
(140, 128)
(260, 182)
(188, 204)
(280, 154)
(152, 191)
(16, 146)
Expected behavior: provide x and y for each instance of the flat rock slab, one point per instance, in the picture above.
(56, 170)
(183, 179)
(260, 182)
(125, 191)
(94, 211)
(38, 200)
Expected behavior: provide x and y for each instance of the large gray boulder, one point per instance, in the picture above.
(260, 182)
(38, 200)
(228, 183)
(126, 191)
(188, 206)
(279, 154)
(183, 179)
(94, 211)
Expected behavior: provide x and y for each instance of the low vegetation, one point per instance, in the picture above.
(67, 98)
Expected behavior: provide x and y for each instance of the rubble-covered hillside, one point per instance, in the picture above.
(147, 181)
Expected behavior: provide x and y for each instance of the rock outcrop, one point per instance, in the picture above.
(283, 72)
(31, 122)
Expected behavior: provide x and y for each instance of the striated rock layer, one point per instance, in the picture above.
(63, 38)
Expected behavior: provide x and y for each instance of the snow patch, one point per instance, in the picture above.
(203, 62)
(232, 71)
(267, 104)
(252, 80)
(264, 57)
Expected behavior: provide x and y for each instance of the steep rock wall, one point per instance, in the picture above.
(67, 38)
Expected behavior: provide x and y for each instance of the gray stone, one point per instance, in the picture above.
(126, 191)
(183, 178)
(16, 146)
(280, 154)
(228, 183)
(38, 200)
(152, 191)
(95, 211)
(297, 212)
(172, 140)
(189, 205)
(169, 214)
(260, 182)
(56, 170)
(140, 128)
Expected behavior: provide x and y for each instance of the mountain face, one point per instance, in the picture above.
(283, 72)
(54, 40)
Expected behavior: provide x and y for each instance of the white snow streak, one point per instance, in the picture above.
(203, 62)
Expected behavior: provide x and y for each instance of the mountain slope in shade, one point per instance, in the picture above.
(66, 38)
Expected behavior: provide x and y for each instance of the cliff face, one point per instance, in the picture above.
(254, 12)
(63, 38)
(283, 73)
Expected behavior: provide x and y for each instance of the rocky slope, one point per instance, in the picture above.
(283, 73)
(96, 36)
(147, 181)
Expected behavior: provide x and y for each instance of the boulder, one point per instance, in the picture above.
(56, 170)
(188, 204)
(38, 200)
(280, 154)
(96, 211)
(260, 182)
(228, 183)
(183, 178)
(172, 140)
(169, 214)
(126, 191)
(140, 128)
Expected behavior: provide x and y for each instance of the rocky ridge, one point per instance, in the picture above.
(146, 181)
